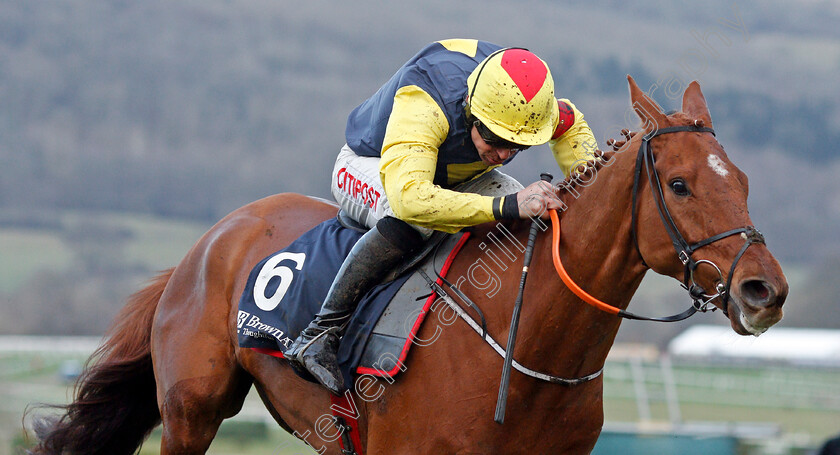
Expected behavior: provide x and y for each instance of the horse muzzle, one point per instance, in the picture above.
(757, 305)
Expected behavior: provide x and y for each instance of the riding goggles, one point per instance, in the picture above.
(492, 140)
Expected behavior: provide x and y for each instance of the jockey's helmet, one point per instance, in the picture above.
(512, 93)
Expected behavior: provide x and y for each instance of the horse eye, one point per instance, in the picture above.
(679, 187)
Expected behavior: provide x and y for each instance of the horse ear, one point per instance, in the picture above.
(694, 104)
(646, 108)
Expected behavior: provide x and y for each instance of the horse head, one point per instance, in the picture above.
(692, 221)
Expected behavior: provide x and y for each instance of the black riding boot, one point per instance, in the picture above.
(372, 257)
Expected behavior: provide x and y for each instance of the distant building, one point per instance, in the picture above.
(792, 346)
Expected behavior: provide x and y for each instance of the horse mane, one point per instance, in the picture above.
(571, 186)
(586, 171)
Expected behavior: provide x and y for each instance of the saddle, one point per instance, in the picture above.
(285, 290)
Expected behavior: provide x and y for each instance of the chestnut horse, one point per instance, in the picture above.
(172, 356)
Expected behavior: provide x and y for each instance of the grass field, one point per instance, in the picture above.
(151, 242)
(802, 404)
(26, 251)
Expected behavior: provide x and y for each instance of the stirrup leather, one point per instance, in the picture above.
(298, 356)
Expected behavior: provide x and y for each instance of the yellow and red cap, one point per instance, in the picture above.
(512, 93)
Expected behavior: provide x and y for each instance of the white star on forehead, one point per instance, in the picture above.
(717, 165)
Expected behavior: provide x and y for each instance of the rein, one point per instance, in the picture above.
(700, 300)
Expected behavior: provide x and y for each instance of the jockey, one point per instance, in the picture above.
(456, 110)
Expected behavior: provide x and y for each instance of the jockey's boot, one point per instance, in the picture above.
(375, 254)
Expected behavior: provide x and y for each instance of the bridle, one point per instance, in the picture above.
(684, 249)
(700, 299)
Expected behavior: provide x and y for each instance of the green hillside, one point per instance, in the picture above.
(120, 120)
(71, 275)
(192, 108)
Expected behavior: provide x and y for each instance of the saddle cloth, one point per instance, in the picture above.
(285, 290)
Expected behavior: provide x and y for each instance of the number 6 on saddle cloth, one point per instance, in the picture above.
(285, 290)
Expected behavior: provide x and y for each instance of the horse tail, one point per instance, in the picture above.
(115, 400)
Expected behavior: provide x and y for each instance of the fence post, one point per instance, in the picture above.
(642, 402)
(670, 389)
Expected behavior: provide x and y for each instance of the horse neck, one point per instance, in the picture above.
(597, 250)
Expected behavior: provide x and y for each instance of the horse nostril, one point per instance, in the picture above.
(757, 292)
